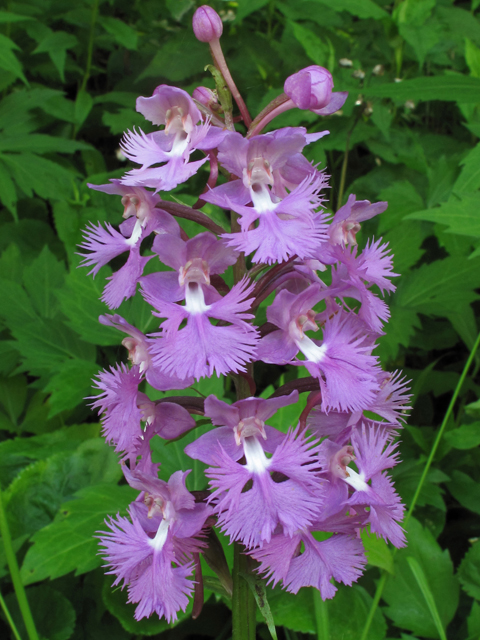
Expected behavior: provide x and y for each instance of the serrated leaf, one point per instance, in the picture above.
(472, 57)
(80, 302)
(56, 44)
(451, 87)
(34, 497)
(438, 286)
(41, 279)
(40, 143)
(469, 178)
(427, 594)
(123, 33)
(68, 543)
(169, 62)
(83, 106)
(359, 8)
(16, 308)
(18, 453)
(40, 175)
(13, 394)
(407, 605)
(8, 194)
(53, 614)
(469, 571)
(8, 16)
(465, 437)
(69, 385)
(315, 49)
(460, 214)
(465, 490)
(8, 60)
(46, 344)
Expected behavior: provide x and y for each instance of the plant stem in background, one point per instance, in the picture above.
(428, 464)
(10, 621)
(15, 575)
(321, 616)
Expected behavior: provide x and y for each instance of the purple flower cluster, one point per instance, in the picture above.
(297, 498)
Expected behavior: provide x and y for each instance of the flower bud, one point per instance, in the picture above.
(310, 88)
(206, 97)
(207, 24)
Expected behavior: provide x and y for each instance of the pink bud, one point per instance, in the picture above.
(205, 96)
(310, 88)
(207, 24)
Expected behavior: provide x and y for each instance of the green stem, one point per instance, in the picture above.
(91, 40)
(381, 582)
(321, 616)
(243, 601)
(15, 575)
(9, 618)
(244, 607)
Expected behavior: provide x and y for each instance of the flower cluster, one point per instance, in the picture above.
(296, 498)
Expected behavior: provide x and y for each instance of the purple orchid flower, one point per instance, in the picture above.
(252, 516)
(268, 165)
(171, 148)
(342, 361)
(156, 566)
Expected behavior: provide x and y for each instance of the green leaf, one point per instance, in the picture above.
(8, 60)
(377, 551)
(469, 571)
(427, 594)
(460, 214)
(123, 33)
(41, 279)
(469, 178)
(246, 7)
(68, 543)
(18, 453)
(169, 62)
(52, 612)
(44, 177)
(407, 605)
(315, 49)
(359, 8)
(465, 437)
(296, 612)
(83, 106)
(473, 622)
(16, 308)
(436, 287)
(8, 194)
(472, 57)
(8, 16)
(451, 87)
(40, 143)
(46, 344)
(69, 385)
(34, 497)
(13, 394)
(465, 490)
(178, 8)
(80, 302)
(56, 44)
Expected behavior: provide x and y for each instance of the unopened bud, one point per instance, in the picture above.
(206, 97)
(345, 62)
(207, 24)
(310, 88)
(378, 70)
(359, 74)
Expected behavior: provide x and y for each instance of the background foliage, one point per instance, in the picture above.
(408, 133)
